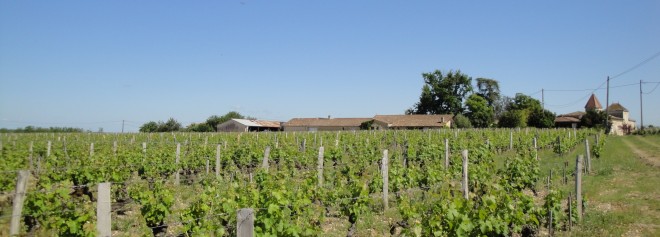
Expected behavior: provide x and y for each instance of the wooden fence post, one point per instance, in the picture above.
(320, 167)
(446, 154)
(588, 152)
(264, 163)
(217, 161)
(570, 210)
(178, 156)
(103, 210)
(464, 154)
(386, 181)
(245, 222)
(578, 186)
(536, 149)
(207, 165)
(19, 197)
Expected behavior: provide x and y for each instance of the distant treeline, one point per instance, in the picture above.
(33, 129)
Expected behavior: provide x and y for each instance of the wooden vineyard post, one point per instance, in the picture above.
(570, 210)
(264, 163)
(561, 152)
(550, 231)
(446, 154)
(386, 180)
(304, 145)
(47, 149)
(320, 167)
(144, 149)
(19, 197)
(511, 140)
(31, 152)
(245, 222)
(103, 210)
(207, 165)
(597, 139)
(536, 150)
(565, 179)
(91, 149)
(178, 156)
(578, 186)
(464, 154)
(217, 161)
(588, 152)
(114, 148)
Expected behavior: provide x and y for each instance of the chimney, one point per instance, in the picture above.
(442, 119)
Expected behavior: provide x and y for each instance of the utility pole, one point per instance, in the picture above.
(122, 126)
(607, 107)
(543, 98)
(641, 108)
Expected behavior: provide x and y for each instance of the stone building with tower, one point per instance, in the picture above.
(618, 116)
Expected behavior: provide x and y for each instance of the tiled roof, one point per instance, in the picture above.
(593, 103)
(576, 114)
(258, 123)
(566, 120)
(415, 120)
(326, 122)
(616, 107)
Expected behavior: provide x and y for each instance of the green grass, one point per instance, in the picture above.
(622, 193)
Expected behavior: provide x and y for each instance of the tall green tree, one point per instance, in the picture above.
(489, 89)
(513, 119)
(593, 119)
(442, 94)
(480, 114)
(541, 118)
(199, 127)
(150, 126)
(214, 120)
(525, 111)
(170, 126)
(460, 121)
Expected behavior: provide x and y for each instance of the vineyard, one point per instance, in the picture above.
(365, 183)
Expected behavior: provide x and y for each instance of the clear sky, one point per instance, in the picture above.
(92, 64)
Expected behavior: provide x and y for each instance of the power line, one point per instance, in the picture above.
(637, 66)
(656, 87)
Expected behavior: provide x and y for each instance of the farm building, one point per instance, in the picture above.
(324, 124)
(415, 121)
(621, 123)
(569, 120)
(245, 125)
(572, 120)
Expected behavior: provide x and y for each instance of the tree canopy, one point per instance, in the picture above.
(523, 111)
(478, 111)
(442, 94)
(489, 89)
(210, 125)
(170, 126)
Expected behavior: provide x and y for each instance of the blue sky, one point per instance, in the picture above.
(92, 64)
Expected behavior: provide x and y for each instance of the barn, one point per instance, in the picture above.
(246, 125)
